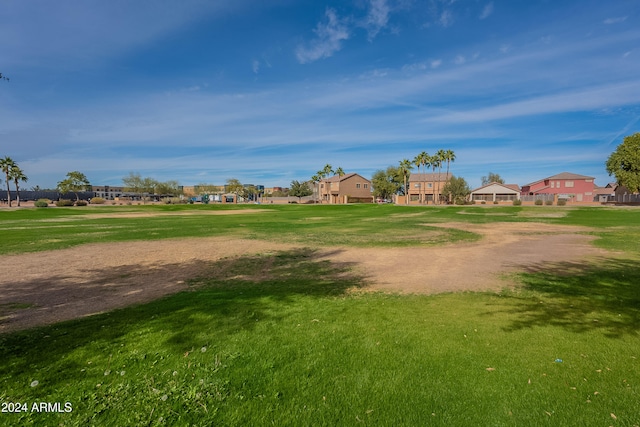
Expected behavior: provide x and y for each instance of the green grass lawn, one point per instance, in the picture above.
(301, 347)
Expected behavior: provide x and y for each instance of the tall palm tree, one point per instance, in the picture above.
(339, 172)
(324, 173)
(18, 175)
(426, 163)
(450, 156)
(316, 180)
(418, 162)
(6, 166)
(440, 156)
(405, 169)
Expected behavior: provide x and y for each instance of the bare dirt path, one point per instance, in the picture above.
(47, 287)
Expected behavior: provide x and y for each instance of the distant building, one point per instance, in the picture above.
(496, 192)
(424, 188)
(107, 192)
(568, 186)
(344, 189)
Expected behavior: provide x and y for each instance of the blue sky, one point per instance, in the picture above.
(270, 91)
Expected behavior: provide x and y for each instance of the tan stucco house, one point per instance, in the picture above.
(344, 189)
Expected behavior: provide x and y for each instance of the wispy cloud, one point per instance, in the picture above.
(616, 20)
(446, 18)
(377, 18)
(329, 38)
(588, 99)
(486, 11)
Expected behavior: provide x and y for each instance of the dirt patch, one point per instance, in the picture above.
(47, 287)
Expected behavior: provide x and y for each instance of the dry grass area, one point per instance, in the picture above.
(46, 287)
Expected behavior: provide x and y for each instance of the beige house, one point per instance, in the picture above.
(424, 188)
(345, 189)
(496, 192)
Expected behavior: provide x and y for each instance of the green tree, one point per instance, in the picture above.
(74, 182)
(6, 166)
(492, 177)
(386, 183)
(456, 189)
(234, 186)
(405, 169)
(339, 172)
(168, 188)
(133, 183)
(18, 175)
(300, 189)
(624, 163)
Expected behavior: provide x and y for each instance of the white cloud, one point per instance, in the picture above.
(617, 20)
(460, 60)
(487, 11)
(329, 37)
(505, 48)
(377, 18)
(446, 18)
(255, 66)
(436, 63)
(581, 100)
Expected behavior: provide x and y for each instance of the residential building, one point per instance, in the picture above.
(344, 189)
(568, 186)
(496, 192)
(424, 188)
(107, 192)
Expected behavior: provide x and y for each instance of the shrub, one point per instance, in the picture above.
(562, 202)
(41, 203)
(81, 203)
(548, 202)
(483, 202)
(495, 202)
(517, 202)
(538, 202)
(98, 201)
(64, 202)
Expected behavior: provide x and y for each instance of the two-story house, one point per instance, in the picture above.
(568, 186)
(343, 189)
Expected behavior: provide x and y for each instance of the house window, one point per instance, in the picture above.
(568, 184)
(366, 186)
(416, 185)
(430, 185)
(357, 185)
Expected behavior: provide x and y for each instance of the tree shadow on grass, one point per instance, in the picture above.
(237, 295)
(604, 295)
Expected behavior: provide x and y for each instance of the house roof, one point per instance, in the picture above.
(563, 175)
(338, 178)
(429, 177)
(513, 187)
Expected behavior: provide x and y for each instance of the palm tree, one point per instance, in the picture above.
(405, 169)
(339, 172)
(6, 165)
(418, 162)
(440, 157)
(425, 161)
(325, 172)
(450, 156)
(316, 180)
(18, 175)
